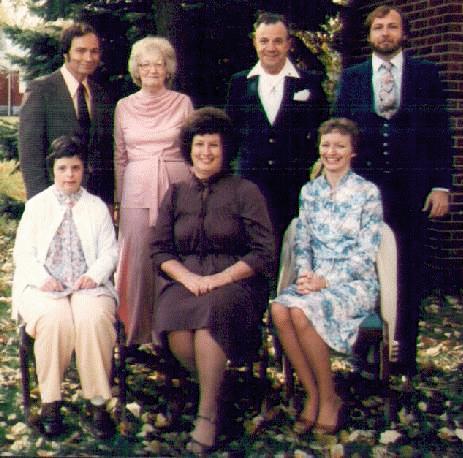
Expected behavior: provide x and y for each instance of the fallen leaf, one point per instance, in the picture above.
(389, 437)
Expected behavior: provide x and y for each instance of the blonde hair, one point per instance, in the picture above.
(152, 46)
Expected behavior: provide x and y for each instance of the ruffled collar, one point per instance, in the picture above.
(68, 200)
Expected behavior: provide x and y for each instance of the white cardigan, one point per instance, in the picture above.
(42, 216)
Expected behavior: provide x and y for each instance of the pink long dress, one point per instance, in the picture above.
(147, 160)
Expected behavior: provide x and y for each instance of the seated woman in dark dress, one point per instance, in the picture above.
(213, 246)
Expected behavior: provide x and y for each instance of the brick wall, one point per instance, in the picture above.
(436, 33)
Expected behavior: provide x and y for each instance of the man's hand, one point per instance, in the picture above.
(437, 203)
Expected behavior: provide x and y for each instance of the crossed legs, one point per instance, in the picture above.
(310, 357)
(198, 351)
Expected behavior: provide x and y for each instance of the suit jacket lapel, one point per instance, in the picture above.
(253, 96)
(63, 97)
(408, 75)
(366, 86)
(291, 85)
(96, 106)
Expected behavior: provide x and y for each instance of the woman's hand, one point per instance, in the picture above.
(52, 285)
(84, 282)
(215, 281)
(193, 283)
(309, 282)
(200, 285)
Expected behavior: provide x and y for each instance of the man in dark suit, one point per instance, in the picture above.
(68, 102)
(400, 108)
(276, 110)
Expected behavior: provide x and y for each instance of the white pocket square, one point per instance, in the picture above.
(302, 96)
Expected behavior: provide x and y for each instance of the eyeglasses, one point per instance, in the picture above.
(155, 65)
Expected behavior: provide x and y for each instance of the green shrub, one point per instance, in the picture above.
(8, 138)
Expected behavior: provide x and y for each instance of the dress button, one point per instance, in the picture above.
(385, 144)
(271, 140)
(385, 153)
(270, 162)
(385, 134)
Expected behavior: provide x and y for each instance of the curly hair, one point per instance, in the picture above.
(209, 120)
(152, 46)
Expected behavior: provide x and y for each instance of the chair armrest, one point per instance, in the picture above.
(287, 274)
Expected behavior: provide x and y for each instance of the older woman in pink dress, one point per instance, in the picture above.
(147, 161)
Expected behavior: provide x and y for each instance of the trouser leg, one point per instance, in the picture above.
(50, 322)
(94, 318)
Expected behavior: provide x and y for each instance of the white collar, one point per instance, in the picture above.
(288, 70)
(71, 82)
(397, 61)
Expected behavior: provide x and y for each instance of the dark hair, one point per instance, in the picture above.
(78, 29)
(382, 11)
(65, 146)
(208, 120)
(342, 125)
(264, 17)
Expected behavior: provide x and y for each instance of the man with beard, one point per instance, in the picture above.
(399, 106)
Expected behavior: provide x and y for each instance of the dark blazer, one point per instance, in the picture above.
(47, 113)
(414, 145)
(406, 157)
(277, 157)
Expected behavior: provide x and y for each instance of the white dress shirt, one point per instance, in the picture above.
(72, 84)
(271, 87)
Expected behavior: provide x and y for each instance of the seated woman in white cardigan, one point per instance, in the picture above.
(65, 254)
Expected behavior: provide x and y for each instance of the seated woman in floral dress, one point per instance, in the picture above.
(214, 248)
(337, 239)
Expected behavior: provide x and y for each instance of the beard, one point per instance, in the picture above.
(387, 49)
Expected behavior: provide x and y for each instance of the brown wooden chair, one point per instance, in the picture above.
(377, 331)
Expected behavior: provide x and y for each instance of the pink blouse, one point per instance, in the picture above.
(146, 136)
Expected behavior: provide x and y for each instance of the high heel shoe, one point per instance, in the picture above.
(303, 426)
(341, 422)
(197, 447)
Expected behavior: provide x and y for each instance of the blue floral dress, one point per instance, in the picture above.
(337, 237)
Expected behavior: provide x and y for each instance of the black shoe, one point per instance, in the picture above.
(102, 426)
(51, 420)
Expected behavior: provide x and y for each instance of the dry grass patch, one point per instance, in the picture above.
(11, 182)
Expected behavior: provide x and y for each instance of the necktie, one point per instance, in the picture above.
(387, 92)
(82, 110)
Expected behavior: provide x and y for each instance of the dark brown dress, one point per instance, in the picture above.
(208, 226)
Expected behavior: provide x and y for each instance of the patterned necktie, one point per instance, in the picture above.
(387, 106)
(82, 110)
